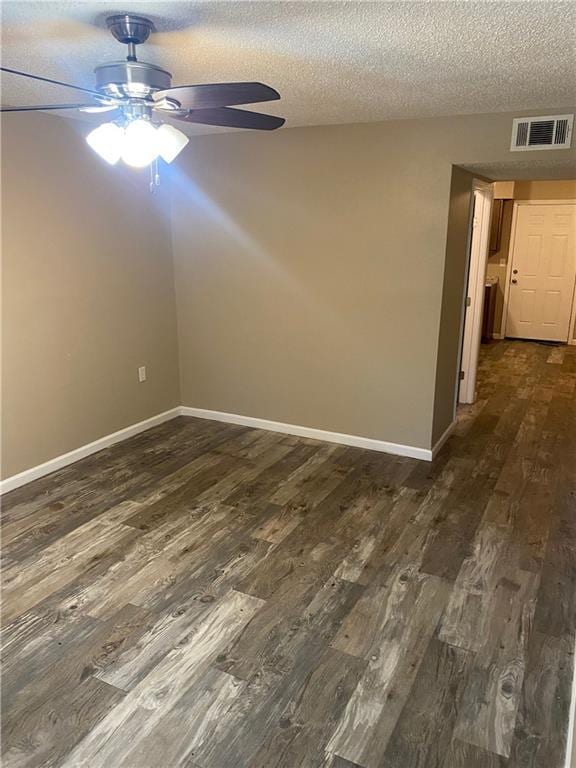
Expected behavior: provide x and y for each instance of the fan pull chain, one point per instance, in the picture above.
(154, 176)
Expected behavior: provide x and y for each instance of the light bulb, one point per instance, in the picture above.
(171, 142)
(140, 144)
(107, 140)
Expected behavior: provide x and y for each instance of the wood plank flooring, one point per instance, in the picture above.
(210, 596)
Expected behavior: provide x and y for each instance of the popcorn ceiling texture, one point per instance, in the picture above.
(527, 166)
(344, 62)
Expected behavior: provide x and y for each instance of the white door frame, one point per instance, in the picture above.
(483, 193)
(517, 204)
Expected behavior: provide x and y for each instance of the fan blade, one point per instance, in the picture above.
(218, 94)
(231, 118)
(39, 107)
(92, 110)
(95, 94)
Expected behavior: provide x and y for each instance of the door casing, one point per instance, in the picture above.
(479, 239)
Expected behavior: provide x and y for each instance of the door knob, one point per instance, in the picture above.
(515, 271)
(514, 281)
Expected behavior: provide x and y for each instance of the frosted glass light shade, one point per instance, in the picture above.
(171, 142)
(140, 144)
(108, 141)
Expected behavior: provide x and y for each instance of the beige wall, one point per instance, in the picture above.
(545, 190)
(88, 294)
(319, 274)
(498, 261)
(455, 268)
(311, 271)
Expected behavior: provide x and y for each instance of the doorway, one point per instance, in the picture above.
(522, 256)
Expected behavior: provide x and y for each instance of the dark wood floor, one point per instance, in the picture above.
(210, 596)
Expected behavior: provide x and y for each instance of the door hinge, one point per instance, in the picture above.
(468, 300)
(461, 375)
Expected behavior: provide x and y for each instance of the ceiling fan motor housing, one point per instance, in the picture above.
(131, 78)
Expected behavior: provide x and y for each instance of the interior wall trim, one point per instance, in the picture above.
(28, 475)
(425, 454)
(442, 439)
(397, 449)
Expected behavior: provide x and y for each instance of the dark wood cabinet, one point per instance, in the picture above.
(496, 225)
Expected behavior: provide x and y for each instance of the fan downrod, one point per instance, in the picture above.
(130, 30)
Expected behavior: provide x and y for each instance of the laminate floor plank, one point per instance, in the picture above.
(423, 733)
(205, 595)
(263, 486)
(462, 755)
(173, 624)
(120, 732)
(492, 693)
(472, 602)
(393, 645)
(545, 702)
(51, 731)
(26, 587)
(296, 614)
(273, 702)
(298, 737)
(64, 690)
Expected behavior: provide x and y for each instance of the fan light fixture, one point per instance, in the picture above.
(171, 142)
(107, 141)
(138, 144)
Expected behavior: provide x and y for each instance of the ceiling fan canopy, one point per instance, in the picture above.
(136, 94)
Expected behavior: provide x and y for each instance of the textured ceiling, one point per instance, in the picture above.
(526, 168)
(332, 62)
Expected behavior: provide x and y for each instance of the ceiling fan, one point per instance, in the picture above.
(137, 94)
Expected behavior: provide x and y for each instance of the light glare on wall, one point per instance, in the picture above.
(139, 144)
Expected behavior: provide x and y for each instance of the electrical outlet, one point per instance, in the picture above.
(142, 373)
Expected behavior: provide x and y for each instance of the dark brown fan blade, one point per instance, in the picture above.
(39, 107)
(95, 94)
(218, 94)
(231, 118)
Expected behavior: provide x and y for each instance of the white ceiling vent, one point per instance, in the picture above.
(530, 133)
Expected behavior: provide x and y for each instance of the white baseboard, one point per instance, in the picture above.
(572, 342)
(425, 454)
(10, 483)
(442, 439)
(34, 473)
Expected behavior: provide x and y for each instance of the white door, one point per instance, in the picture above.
(482, 207)
(542, 273)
